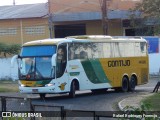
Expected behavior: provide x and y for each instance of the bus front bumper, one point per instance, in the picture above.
(49, 89)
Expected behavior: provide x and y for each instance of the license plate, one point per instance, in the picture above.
(35, 90)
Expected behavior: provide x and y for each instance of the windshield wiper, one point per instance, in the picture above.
(38, 75)
(30, 70)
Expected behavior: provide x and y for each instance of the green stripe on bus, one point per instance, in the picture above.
(94, 71)
(74, 73)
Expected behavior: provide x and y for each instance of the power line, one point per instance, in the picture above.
(14, 3)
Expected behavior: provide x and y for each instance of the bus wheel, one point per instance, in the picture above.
(72, 90)
(132, 83)
(125, 84)
(42, 95)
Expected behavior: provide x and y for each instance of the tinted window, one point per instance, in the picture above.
(38, 51)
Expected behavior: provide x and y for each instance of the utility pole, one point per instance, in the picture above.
(14, 3)
(104, 9)
(50, 21)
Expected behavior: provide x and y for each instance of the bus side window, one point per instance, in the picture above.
(83, 55)
(94, 51)
(71, 54)
(143, 48)
(61, 60)
(137, 49)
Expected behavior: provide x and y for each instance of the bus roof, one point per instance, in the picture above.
(85, 38)
(44, 42)
(90, 37)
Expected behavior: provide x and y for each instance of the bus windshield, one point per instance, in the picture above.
(34, 68)
(35, 62)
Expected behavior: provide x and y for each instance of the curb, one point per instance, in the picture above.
(120, 106)
(132, 101)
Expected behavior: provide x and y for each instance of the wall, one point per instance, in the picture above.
(94, 28)
(115, 28)
(154, 54)
(6, 71)
(20, 34)
(154, 63)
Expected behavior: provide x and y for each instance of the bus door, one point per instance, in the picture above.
(61, 63)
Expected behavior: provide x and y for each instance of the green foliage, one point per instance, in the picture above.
(153, 101)
(141, 111)
(8, 86)
(9, 49)
(143, 107)
(149, 8)
(137, 111)
(148, 20)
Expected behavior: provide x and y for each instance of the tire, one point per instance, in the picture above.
(132, 84)
(125, 84)
(42, 95)
(72, 90)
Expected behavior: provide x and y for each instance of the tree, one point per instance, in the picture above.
(9, 49)
(149, 16)
(149, 8)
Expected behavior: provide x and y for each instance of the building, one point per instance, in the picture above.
(61, 18)
(78, 17)
(22, 23)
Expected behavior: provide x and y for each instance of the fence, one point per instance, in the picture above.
(24, 108)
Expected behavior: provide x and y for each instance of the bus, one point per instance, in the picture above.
(93, 62)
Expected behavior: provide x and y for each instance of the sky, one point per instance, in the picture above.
(18, 2)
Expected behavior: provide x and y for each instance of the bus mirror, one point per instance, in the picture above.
(53, 60)
(13, 60)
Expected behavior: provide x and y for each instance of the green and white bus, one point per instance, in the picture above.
(95, 63)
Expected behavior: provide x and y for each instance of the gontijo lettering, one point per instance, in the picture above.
(118, 63)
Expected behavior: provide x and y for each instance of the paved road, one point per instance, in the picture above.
(85, 100)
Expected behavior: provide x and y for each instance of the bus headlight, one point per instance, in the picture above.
(49, 85)
(22, 85)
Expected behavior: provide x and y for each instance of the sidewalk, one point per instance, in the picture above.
(133, 101)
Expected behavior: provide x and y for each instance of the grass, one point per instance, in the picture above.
(154, 102)
(8, 86)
